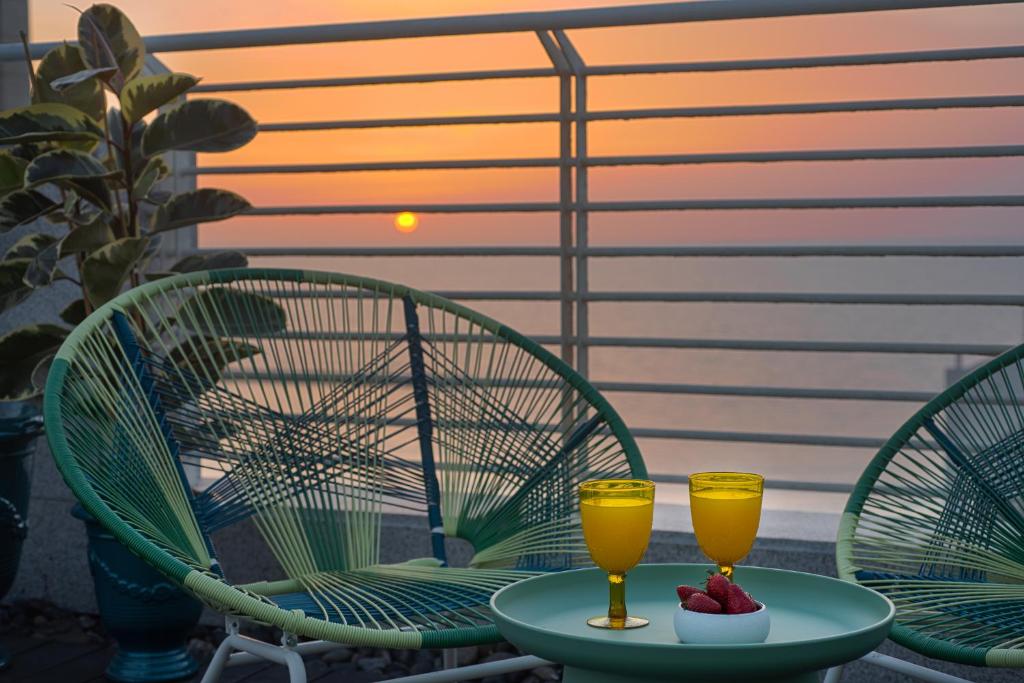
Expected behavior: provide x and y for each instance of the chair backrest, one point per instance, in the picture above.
(312, 403)
(941, 506)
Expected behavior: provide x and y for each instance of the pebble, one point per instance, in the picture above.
(340, 654)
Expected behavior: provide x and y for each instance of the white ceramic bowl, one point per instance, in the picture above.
(722, 629)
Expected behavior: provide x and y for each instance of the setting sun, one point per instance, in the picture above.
(406, 221)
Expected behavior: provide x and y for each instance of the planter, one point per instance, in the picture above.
(20, 426)
(147, 615)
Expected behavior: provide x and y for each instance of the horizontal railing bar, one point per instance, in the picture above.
(747, 297)
(724, 251)
(808, 250)
(511, 22)
(678, 343)
(811, 155)
(652, 205)
(481, 119)
(787, 484)
(765, 392)
(809, 203)
(396, 251)
(751, 437)
(661, 113)
(621, 387)
(374, 166)
(866, 59)
(501, 207)
(634, 160)
(810, 298)
(809, 108)
(801, 346)
(295, 83)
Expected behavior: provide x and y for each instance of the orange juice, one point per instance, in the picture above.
(617, 530)
(725, 522)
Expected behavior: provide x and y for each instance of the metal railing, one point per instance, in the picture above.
(575, 205)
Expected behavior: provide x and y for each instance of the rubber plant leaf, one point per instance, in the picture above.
(197, 206)
(199, 126)
(146, 94)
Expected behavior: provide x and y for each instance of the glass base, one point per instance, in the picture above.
(605, 622)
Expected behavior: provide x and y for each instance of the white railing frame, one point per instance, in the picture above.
(573, 161)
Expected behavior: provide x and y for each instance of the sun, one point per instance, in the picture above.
(406, 221)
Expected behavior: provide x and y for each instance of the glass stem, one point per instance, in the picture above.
(617, 599)
(725, 570)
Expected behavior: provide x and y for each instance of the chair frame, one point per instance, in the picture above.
(243, 604)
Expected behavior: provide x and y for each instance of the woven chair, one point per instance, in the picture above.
(313, 403)
(936, 522)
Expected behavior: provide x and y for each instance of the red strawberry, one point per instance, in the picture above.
(717, 587)
(739, 601)
(686, 591)
(702, 602)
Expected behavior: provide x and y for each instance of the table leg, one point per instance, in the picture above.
(574, 675)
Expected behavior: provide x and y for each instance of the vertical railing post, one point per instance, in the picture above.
(579, 70)
(565, 163)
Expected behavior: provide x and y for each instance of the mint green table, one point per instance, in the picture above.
(817, 622)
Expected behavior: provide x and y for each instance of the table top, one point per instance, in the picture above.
(817, 622)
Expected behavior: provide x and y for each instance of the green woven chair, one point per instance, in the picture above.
(313, 403)
(936, 522)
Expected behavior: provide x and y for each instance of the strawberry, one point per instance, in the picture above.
(702, 602)
(739, 601)
(717, 586)
(686, 591)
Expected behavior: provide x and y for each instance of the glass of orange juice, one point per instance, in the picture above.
(726, 511)
(616, 515)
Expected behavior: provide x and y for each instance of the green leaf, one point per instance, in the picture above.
(64, 82)
(61, 61)
(42, 269)
(65, 164)
(50, 122)
(22, 353)
(74, 312)
(109, 39)
(105, 270)
(148, 93)
(30, 245)
(198, 206)
(13, 289)
(12, 172)
(23, 206)
(88, 237)
(223, 312)
(220, 259)
(199, 126)
(206, 357)
(154, 171)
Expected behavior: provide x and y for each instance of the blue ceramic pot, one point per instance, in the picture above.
(20, 426)
(147, 615)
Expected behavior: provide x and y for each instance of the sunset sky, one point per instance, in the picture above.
(888, 31)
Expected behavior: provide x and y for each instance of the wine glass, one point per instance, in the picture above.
(726, 511)
(616, 515)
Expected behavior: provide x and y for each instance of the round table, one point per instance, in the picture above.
(817, 622)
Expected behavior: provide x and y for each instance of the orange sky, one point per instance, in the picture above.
(889, 31)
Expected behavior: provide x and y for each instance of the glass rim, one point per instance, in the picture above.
(616, 485)
(727, 477)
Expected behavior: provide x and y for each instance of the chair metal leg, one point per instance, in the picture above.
(284, 654)
(450, 659)
(216, 666)
(913, 670)
(833, 675)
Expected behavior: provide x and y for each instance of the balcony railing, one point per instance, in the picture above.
(575, 205)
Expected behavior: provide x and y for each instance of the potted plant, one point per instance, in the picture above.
(85, 159)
